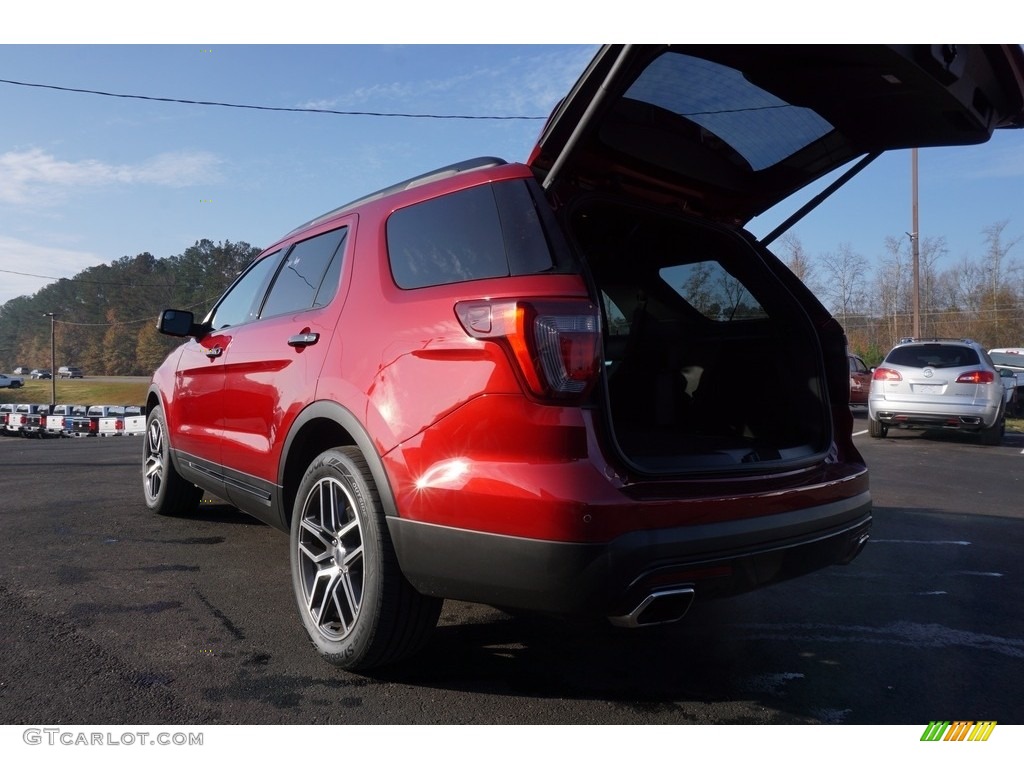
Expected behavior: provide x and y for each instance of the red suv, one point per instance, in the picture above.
(521, 384)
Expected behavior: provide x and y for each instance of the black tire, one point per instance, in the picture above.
(166, 492)
(356, 605)
(877, 428)
(994, 435)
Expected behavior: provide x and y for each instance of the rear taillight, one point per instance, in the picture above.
(886, 374)
(976, 377)
(554, 342)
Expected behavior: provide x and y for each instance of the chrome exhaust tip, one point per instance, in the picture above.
(855, 549)
(661, 607)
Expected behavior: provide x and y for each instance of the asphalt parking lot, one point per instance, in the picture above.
(112, 615)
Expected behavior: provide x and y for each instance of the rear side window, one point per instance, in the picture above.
(933, 356)
(493, 230)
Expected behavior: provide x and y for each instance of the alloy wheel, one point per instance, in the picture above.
(153, 470)
(330, 558)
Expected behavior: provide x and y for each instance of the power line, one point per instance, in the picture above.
(86, 280)
(201, 303)
(346, 113)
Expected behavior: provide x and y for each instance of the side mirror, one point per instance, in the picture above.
(178, 322)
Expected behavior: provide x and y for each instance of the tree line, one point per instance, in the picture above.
(106, 315)
(978, 297)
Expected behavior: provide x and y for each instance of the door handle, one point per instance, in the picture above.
(215, 352)
(303, 339)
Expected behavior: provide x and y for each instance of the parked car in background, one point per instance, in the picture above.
(60, 421)
(1012, 359)
(134, 420)
(89, 424)
(21, 370)
(1009, 379)
(40, 373)
(122, 420)
(6, 409)
(34, 422)
(938, 383)
(860, 381)
(69, 372)
(12, 382)
(26, 419)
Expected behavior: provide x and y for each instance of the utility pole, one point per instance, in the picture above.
(53, 358)
(915, 243)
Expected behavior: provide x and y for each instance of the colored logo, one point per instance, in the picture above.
(958, 730)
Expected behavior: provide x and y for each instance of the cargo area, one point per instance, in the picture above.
(710, 361)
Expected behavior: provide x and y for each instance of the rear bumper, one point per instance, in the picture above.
(926, 415)
(611, 579)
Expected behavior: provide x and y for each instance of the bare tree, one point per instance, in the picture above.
(999, 275)
(845, 274)
(792, 253)
(891, 291)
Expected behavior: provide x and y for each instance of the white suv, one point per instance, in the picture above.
(938, 383)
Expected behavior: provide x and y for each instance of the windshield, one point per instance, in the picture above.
(933, 356)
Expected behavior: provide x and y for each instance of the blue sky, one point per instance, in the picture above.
(87, 179)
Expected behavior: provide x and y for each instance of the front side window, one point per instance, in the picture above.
(242, 301)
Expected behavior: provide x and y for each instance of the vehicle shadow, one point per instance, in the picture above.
(663, 669)
(214, 510)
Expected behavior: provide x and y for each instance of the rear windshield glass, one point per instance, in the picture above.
(723, 102)
(933, 356)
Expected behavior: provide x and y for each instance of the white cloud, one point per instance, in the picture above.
(20, 256)
(35, 175)
(533, 85)
(525, 85)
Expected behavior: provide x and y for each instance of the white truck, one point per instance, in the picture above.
(1012, 359)
(122, 420)
(27, 419)
(12, 382)
(6, 409)
(60, 420)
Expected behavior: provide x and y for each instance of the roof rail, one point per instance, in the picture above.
(909, 339)
(424, 178)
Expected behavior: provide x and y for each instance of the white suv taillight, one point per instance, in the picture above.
(976, 377)
(555, 342)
